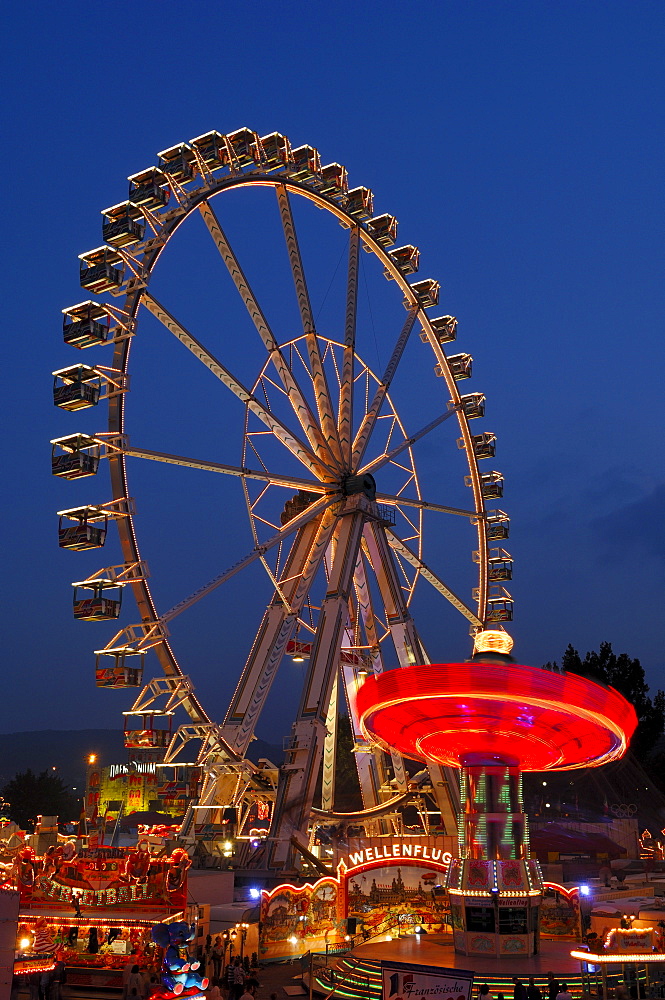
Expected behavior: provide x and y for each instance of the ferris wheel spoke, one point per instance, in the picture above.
(313, 512)
(369, 420)
(405, 638)
(280, 430)
(400, 501)
(390, 455)
(320, 382)
(345, 419)
(298, 402)
(312, 485)
(406, 553)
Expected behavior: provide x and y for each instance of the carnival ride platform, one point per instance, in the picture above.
(437, 950)
(357, 975)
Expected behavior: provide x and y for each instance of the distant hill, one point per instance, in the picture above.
(68, 749)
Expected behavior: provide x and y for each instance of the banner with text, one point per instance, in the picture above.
(402, 981)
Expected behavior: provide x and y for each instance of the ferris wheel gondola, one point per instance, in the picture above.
(343, 553)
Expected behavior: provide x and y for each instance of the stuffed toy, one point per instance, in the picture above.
(179, 969)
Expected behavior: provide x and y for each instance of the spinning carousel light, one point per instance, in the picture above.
(444, 712)
(492, 641)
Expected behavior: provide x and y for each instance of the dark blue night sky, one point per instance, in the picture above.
(520, 147)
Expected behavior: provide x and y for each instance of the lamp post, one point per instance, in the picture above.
(225, 942)
(243, 928)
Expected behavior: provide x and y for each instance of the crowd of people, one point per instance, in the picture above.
(137, 983)
(235, 981)
(42, 985)
(555, 990)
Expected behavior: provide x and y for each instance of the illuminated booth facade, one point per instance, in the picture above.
(93, 907)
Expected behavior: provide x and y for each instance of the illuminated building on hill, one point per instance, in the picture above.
(139, 786)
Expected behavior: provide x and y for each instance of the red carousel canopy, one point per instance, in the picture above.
(544, 720)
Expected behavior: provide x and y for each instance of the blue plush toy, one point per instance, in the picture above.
(179, 973)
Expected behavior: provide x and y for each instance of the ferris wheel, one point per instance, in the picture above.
(326, 466)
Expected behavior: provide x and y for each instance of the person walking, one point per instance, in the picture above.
(238, 979)
(519, 989)
(251, 983)
(207, 957)
(230, 980)
(33, 985)
(217, 957)
(145, 982)
(532, 991)
(58, 979)
(135, 983)
(126, 972)
(45, 981)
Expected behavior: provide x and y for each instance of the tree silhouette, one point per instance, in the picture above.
(30, 795)
(347, 786)
(626, 675)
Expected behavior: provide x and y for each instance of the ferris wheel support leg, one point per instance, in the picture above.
(275, 631)
(370, 765)
(195, 813)
(366, 612)
(299, 775)
(410, 650)
(445, 784)
(330, 749)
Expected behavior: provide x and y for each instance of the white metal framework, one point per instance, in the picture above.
(343, 557)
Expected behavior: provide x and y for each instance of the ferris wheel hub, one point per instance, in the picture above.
(364, 483)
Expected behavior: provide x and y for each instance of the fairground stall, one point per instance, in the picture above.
(95, 907)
